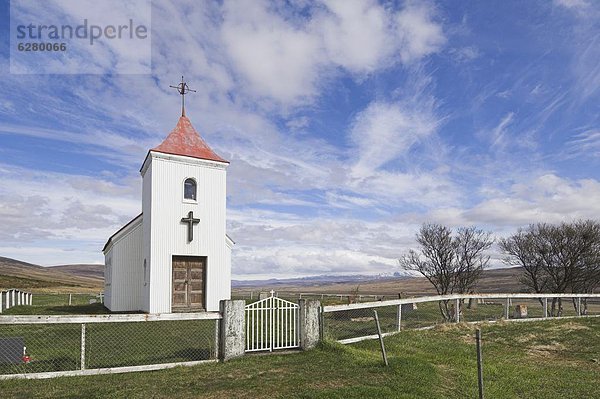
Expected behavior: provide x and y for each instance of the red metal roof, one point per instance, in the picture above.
(185, 140)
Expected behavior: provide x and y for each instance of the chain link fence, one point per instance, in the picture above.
(66, 299)
(50, 345)
(355, 322)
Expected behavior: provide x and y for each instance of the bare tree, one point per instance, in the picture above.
(557, 258)
(452, 264)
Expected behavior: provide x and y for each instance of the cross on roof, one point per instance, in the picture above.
(190, 222)
(182, 88)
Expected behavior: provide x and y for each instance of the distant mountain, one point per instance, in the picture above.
(316, 280)
(17, 274)
(504, 280)
(82, 270)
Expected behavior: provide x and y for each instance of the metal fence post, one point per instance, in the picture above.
(479, 362)
(385, 360)
(83, 346)
(545, 308)
(70, 299)
(321, 324)
(507, 310)
(457, 311)
(399, 318)
(217, 335)
(1, 301)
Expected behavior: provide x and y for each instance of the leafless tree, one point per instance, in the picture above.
(451, 263)
(557, 258)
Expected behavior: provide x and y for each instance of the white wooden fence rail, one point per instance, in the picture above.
(456, 299)
(436, 298)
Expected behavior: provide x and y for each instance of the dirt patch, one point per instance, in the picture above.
(553, 350)
(570, 326)
(523, 339)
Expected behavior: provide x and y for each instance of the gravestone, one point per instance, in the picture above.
(408, 308)
(520, 312)
(11, 350)
(263, 295)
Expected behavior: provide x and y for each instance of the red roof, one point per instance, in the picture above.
(185, 140)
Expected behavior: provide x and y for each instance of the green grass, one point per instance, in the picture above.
(549, 359)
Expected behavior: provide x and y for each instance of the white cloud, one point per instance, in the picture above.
(50, 206)
(287, 60)
(586, 144)
(385, 131)
(574, 4)
(545, 198)
(419, 35)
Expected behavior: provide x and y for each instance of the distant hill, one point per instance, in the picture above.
(18, 274)
(83, 270)
(504, 280)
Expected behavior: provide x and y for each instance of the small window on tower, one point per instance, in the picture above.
(189, 189)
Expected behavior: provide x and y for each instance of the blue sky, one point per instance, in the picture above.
(347, 124)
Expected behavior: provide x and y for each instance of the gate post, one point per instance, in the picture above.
(232, 338)
(308, 323)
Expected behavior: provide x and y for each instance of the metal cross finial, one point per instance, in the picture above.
(183, 88)
(190, 222)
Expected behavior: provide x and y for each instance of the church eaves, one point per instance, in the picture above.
(185, 140)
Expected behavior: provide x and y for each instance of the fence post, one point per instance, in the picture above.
(1, 301)
(399, 318)
(309, 323)
(457, 310)
(83, 346)
(232, 332)
(545, 308)
(507, 310)
(579, 306)
(321, 324)
(31, 298)
(271, 316)
(70, 299)
(217, 335)
(479, 363)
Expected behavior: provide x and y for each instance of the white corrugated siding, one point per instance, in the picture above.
(126, 281)
(147, 212)
(168, 236)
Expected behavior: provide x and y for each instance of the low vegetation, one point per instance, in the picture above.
(550, 359)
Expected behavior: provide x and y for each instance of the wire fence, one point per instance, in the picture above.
(55, 344)
(355, 322)
(66, 299)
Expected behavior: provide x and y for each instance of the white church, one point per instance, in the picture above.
(175, 256)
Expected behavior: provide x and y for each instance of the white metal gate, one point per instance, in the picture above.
(271, 323)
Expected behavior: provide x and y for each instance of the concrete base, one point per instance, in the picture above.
(232, 333)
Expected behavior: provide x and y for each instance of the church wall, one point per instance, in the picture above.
(146, 234)
(169, 235)
(126, 282)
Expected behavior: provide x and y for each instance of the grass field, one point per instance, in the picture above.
(549, 359)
